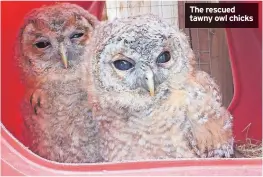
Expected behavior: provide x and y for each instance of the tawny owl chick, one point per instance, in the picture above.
(50, 46)
(150, 100)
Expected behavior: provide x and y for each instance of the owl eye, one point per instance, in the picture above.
(122, 65)
(42, 44)
(164, 57)
(77, 35)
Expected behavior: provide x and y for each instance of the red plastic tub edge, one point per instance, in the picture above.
(16, 157)
(13, 153)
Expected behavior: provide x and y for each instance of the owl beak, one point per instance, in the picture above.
(150, 82)
(64, 58)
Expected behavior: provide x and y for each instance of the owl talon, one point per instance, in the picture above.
(36, 100)
(96, 107)
(35, 109)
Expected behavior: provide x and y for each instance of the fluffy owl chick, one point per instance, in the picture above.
(150, 100)
(51, 43)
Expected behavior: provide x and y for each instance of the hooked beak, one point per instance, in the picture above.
(64, 58)
(150, 82)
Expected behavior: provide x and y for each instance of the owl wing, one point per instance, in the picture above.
(210, 132)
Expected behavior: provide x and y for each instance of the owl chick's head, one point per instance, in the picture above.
(53, 38)
(135, 59)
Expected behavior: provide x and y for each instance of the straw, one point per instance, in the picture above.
(251, 148)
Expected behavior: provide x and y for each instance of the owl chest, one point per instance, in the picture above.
(155, 141)
(64, 92)
(62, 100)
(64, 116)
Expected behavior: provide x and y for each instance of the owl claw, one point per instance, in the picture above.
(36, 100)
(35, 109)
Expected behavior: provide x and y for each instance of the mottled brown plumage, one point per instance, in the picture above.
(49, 52)
(150, 100)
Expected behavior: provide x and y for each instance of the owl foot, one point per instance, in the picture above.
(36, 100)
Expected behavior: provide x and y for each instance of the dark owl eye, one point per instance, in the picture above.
(164, 57)
(122, 65)
(42, 44)
(77, 35)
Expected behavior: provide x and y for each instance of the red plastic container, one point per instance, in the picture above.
(245, 47)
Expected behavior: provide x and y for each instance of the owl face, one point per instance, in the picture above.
(53, 37)
(137, 60)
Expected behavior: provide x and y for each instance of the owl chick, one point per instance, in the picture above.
(150, 100)
(51, 43)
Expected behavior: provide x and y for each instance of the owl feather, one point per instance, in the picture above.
(50, 47)
(151, 101)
